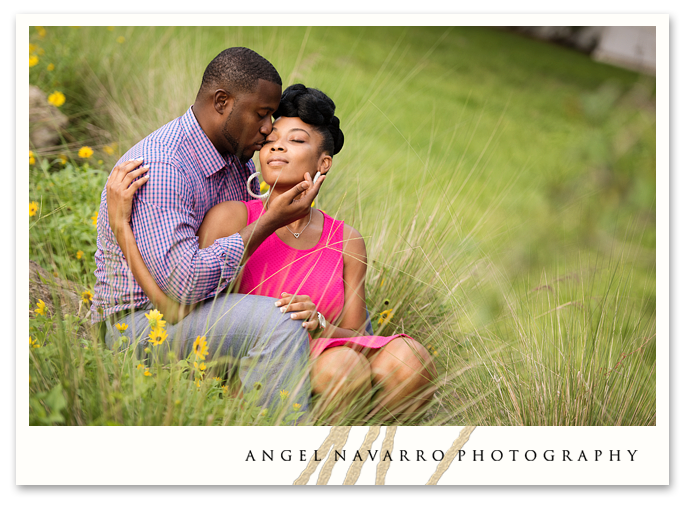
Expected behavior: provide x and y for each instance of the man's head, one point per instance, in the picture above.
(240, 90)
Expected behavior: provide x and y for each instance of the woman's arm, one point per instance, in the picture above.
(355, 267)
(120, 190)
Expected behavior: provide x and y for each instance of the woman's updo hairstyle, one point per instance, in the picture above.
(314, 108)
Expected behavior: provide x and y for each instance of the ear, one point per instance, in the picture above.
(324, 164)
(223, 102)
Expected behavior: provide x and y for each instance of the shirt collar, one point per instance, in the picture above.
(211, 161)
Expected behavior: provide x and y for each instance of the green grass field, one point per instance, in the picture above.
(505, 188)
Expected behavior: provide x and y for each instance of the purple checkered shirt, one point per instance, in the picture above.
(188, 176)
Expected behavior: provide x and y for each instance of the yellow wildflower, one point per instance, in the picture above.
(85, 152)
(33, 208)
(200, 348)
(120, 39)
(157, 336)
(32, 159)
(111, 28)
(147, 350)
(32, 48)
(283, 394)
(55, 274)
(122, 327)
(40, 307)
(86, 296)
(146, 372)
(385, 316)
(94, 218)
(155, 319)
(80, 254)
(109, 149)
(216, 378)
(202, 366)
(140, 366)
(50, 67)
(34, 342)
(197, 383)
(264, 187)
(41, 32)
(57, 98)
(224, 388)
(296, 407)
(33, 60)
(63, 159)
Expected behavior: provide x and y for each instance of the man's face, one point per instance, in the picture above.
(249, 121)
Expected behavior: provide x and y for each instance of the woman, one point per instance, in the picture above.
(315, 267)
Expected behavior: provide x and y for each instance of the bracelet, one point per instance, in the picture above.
(321, 321)
(321, 325)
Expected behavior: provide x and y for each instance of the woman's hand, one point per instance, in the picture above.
(301, 307)
(120, 190)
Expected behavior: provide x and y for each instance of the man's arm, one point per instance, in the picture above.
(164, 225)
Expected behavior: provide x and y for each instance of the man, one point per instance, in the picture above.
(195, 162)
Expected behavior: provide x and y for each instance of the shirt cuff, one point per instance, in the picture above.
(230, 251)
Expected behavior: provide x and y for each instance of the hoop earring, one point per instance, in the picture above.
(249, 188)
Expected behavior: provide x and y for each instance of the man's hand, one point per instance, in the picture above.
(295, 203)
(120, 190)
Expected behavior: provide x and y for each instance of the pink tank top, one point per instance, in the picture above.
(275, 267)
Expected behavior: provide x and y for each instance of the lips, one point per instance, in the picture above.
(276, 161)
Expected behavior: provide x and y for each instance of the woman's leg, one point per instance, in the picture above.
(341, 381)
(403, 375)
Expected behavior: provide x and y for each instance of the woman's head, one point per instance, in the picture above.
(304, 137)
(314, 108)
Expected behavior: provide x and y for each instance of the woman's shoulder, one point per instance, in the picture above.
(229, 208)
(354, 244)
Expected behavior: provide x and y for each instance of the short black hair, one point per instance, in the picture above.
(237, 70)
(314, 108)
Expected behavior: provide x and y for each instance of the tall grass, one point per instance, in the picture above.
(504, 187)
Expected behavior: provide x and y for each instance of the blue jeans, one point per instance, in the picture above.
(247, 331)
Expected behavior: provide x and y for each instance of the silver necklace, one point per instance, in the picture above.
(297, 234)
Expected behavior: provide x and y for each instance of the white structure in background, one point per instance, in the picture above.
(632, 47)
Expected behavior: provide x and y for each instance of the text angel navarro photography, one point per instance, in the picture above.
(547, 455)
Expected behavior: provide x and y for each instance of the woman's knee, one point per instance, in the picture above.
(340, 368)
(404, 360)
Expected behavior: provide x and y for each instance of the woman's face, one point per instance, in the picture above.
(292, 149)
